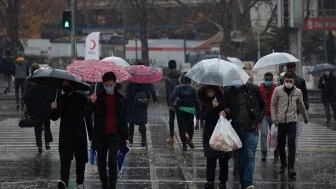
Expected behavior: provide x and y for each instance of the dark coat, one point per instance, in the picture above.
(171, 82)
(20, 68)
(138, 115)
(37, 99)
(329, 88)
(301, 84)
(6, 65)
(99, 110)
(74, 123)
(211, 116)
(255, 102)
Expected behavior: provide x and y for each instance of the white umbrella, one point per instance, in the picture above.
(275, 58)
(236, 61)
(117, 60)
(217, 72)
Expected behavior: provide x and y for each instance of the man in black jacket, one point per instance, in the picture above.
(110, 128)
(327, 84)
(301, 84)
(245, 105)
(5, 69)
(70, 108)
(171, 82)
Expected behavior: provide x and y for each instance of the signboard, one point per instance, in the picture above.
(92, 46)
(317, 24)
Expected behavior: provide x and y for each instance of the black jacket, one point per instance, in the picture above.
(6, 65)
(70, 108)
(329, 88)
(186, 95)
(171, 82)
(99, 110)
(20, 68)
(255, 101)
(301, 84)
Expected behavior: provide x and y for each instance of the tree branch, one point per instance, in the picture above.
(248, 9)
(4, 3)
(269, 22)
(308, 10)
(220, 28)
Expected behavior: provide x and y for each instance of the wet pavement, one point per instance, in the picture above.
(161, 166)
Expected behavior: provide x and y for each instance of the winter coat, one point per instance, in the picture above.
(20, 68)
(138, 115)
(171, 81)
(329, 88)
(211, 116)
(99, 110)
(284, 107)
(6, 65)
(301, 84)
(37, 99)
(74, 123)
(267, 98)
(255, 102)
(185, 95)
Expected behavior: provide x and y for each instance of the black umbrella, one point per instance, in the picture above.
(54, 77)
(211, 56)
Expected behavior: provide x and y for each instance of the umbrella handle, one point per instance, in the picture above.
(56, 95)
(95, 88)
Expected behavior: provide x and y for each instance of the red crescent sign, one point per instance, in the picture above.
(94, 44)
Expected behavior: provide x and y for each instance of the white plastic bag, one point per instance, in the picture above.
(273, 138)
(224, 137)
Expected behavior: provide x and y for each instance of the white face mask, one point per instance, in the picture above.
(327, 72)
(289, 85)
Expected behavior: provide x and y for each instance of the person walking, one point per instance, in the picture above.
(286, 100)
(171, 81)
(38, 99)
(70, 107)
(110, 128)
(187, 106)
(211, 100)
(327, 84)
(266, 89)
(244, 104)
(20, 71)
(300, 83)
(6, 69)
(138, 98)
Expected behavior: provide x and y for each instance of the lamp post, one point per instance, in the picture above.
(258, 29)
(286, 26)
(73, 34)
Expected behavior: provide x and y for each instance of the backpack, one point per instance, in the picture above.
(141, 99)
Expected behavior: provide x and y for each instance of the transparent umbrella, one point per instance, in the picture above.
(236, 61)
(117, 60)
(217, 72)
(274, 59)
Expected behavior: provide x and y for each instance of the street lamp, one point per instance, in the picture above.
(258, 29)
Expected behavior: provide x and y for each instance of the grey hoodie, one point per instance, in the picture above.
(171, 82)
(20, 68)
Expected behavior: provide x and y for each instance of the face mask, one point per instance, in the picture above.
(289, 85)
(237, 83)
(212, 94)
(327, 72)
(109, 89)
(67, 89)
(268, 83)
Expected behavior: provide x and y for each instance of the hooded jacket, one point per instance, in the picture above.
(268, 99)
(329, 88)
(20, 68)
(6, 64)
(171, 82)
(284, 107)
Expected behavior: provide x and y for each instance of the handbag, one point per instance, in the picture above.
(25, 120)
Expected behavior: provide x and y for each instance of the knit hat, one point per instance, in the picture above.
(172, 64)
(291, 65)
(20, 54)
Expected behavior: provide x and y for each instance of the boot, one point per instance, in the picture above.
(191, 144)
(143, 140)
(209, 185)
(47, 146)
(264, 156)
(291, 172)
(39, 149)
(170, 140)
(184, 148)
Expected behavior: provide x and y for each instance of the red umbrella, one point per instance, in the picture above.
(143, 74)
(93, 70)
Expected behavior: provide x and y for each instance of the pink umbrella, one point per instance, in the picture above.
(143, 74)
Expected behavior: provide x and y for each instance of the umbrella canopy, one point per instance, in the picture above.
(275, 58)
(143, 74)
(217, 72)
(319, 68)
(236, 61)
(93, 70)
(211, 56)
(53, 78)
(117, 60)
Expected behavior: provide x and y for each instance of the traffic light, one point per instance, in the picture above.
(66, 20)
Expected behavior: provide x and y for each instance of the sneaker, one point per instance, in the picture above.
(191, 144)
(143, 141)
(263, 157)
(47, 146)
(39, 150)
(282, 169)
(250, 187)
(80, 186)
(61, 185)
(291, 172)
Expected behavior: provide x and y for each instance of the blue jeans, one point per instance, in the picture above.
(265, 125)
(246, 156)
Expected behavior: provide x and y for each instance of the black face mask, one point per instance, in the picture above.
(67, 89)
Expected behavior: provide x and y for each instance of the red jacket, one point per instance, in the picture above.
(268, 99)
